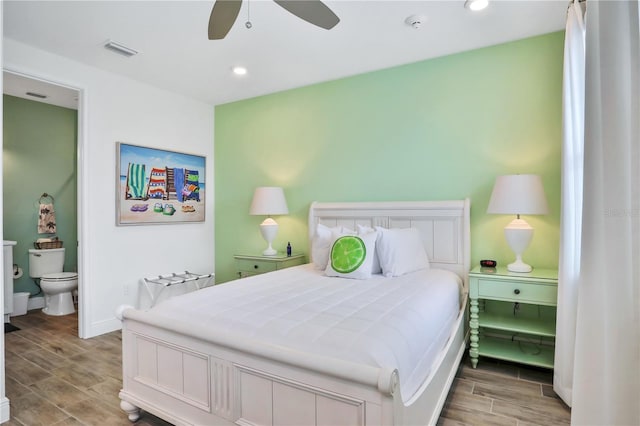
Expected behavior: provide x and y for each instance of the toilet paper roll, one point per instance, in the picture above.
(17, 272)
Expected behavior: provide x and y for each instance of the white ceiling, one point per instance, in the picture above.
(280, 51)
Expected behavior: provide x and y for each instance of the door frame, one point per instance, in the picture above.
(84, 306)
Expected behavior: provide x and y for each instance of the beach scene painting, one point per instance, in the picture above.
(156, 186)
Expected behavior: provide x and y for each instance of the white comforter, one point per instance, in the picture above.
(400, 323)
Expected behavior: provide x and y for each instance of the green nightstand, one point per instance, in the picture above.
(247, 265)
(513, 315)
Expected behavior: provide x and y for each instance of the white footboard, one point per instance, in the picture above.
(187, 380)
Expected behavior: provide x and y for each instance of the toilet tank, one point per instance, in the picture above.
(43, 262)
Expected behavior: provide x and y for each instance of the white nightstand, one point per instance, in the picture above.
(513, 315)
(247, 265)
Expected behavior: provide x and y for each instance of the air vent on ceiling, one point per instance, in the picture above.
(37, 95)
(120, 48)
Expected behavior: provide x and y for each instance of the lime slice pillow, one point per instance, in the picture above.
(347, 254)
(351, 256)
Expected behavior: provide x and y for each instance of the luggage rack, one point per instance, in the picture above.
(201, 281)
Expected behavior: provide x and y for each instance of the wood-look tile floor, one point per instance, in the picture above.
(55, 378)
(500, 393)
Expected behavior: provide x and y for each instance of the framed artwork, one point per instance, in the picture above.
(155, 186)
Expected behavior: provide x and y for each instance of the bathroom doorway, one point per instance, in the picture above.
(40, 166)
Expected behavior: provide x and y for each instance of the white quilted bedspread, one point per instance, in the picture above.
(400, 322)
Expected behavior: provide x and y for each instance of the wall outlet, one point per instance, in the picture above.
(125, 289)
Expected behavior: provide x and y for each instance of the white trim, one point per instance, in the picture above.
(5, 411)
(84, 307)
(105, 326)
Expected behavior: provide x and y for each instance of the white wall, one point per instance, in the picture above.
(112, 260)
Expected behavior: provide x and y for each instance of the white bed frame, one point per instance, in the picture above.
(204, 378)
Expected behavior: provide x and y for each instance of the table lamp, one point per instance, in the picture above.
(518, 194)
(268, 201)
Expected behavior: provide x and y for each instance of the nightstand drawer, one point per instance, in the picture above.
(518, 292)
(255, 266)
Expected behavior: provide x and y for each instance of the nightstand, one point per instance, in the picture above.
(513, 315)
(247, 265)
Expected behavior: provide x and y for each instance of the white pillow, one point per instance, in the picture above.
(351, 256)
(321, 244)
(375, 267)
(400, 251)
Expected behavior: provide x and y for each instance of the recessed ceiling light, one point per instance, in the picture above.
(476, 5)
(238, 70)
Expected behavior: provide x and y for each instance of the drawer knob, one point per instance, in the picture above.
(255, 266)
(516, 291)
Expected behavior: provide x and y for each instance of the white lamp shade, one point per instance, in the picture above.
(267, 201)
(518, 194)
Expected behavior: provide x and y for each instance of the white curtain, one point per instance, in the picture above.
(571, 201)
(606, 381)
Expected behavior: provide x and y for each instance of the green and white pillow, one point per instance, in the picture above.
(321, 243)
(351, 256)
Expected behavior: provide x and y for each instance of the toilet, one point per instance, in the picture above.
(57, 286)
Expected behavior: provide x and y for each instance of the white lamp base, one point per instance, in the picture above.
(269, 229)
(519, 266)
(518, 234)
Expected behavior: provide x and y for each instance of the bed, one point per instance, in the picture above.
(220, 356)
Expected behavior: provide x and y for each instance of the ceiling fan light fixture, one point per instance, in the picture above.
(239, 70)
(476, 5)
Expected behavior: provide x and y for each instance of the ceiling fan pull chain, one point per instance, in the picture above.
(248, 24)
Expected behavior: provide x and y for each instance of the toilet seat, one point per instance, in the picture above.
(60, 276)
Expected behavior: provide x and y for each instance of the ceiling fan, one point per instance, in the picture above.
(225, 12)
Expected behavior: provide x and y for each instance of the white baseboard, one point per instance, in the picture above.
(4, 410)
(102, 327)
(35, 303)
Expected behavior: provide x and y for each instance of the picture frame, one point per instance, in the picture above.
(158, 187)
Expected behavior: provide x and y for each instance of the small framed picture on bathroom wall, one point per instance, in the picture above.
(156, 186)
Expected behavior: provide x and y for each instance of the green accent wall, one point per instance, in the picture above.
(438, 129)
(39, 155)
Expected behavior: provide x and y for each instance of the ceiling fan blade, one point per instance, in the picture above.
(223, 15)
(312, 11)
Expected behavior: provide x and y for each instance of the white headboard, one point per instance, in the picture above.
(443, 225)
